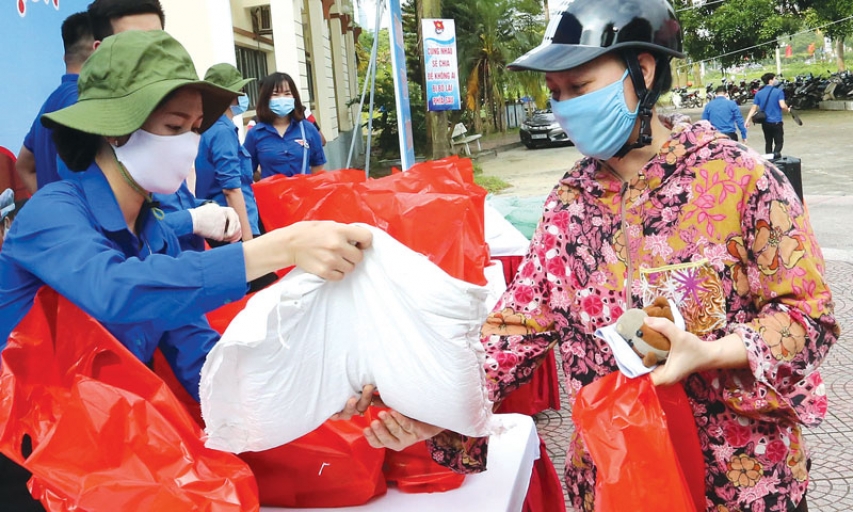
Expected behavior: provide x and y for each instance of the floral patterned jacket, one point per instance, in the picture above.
(712, 226)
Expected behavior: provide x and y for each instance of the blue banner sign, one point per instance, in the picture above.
(440, 64)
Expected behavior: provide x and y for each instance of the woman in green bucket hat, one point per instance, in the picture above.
(97, 239)
(223, 167)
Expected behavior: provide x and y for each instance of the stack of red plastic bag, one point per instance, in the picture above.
(107, 434)
(434, 208)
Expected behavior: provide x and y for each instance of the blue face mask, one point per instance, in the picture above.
(599, 123)
(282, 106)
(241, 106)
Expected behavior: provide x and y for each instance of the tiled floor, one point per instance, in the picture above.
(831, 444)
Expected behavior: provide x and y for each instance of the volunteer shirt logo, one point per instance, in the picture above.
(303, 143)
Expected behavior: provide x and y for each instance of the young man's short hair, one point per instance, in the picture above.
(102, 12)
(721, 89)
(77, 38)
(766, 77)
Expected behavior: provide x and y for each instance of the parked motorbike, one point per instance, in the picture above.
(682, 97)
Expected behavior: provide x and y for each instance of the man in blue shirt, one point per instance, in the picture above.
(724, 114)
(191, 219)
(223, 167)
(771, 100)
(36, 163)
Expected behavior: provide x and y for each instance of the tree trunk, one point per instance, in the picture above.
(839, 53)
(438, 132)
(697, 76)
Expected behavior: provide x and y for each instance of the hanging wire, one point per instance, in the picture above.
(699, 6)
(842, 20)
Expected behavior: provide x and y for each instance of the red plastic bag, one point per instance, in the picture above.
(333, 466)
(434, 208)
(414, 471)
(628, 426)
(107, 434)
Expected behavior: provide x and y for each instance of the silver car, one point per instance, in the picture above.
(541, 129)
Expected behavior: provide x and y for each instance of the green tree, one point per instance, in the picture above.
(385, 103)
(735, 31)
(490, 34)
(825, 14)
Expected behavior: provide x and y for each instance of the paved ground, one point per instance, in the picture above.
(824, 145)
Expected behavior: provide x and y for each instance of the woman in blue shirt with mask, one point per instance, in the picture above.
(97, 238)
(283, 142)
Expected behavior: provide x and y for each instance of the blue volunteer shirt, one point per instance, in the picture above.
(768, 99)
(724, 114)
(72, 236)
(176, 207)
(224, 164)
(39, 140)
(278, 154)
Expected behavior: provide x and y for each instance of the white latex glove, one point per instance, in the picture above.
(216, 222)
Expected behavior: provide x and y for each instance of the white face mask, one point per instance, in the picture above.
(159, 163)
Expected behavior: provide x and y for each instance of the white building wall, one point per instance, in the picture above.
(210, 29)
(204, 28)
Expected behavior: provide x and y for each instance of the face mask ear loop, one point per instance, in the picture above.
(647, 98)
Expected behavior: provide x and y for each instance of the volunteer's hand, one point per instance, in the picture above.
(748, 123)
(397, 432)
(356, 405)
(324, 248)
(216, 222)
(689, 354)
(327, 249)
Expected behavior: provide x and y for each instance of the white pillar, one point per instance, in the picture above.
(341, 92)
(324, 107)
(284, 14)
(778, 62)
(352, 69)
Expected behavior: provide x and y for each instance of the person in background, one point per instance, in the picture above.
(193, 220)
(281, 142)
(313, 120)
(724, 115)
(95, 237)
(680, 212)
(771, 100)
(110, 17)
(223, 167)
(36, 164)
(7, 212)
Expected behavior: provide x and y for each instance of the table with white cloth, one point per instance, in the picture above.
(502, 487)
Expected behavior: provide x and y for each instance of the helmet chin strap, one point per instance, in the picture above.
(647, 97)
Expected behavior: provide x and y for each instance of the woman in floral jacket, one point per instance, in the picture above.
(676, 211)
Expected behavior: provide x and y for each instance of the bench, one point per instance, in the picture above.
(459, 137)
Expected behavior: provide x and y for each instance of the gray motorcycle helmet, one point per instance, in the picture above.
(584, 30)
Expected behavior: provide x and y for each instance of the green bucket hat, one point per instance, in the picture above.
(125, 79)
(227, 76)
